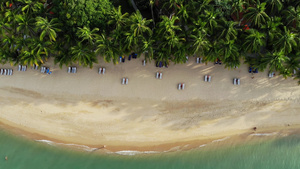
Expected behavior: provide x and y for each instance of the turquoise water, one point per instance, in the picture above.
(280, 153)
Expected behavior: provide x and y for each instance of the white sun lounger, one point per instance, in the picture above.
(271, 74)
(182, 86)
(238, 81)
(69, 69)
(209, 78)
(20, 68)
(144, 62)
(100, 70)
(43, 69)
(103, 70)
(197, 60)
(5, 72)
(160, 75)
(126, 81)
(24, 68)
(234, 81)
(1, 71)
(157, 75)
(74, 69)
(179, 86)
(205, 78)
(123, 81)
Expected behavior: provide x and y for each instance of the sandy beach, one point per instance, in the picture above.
(91, 109)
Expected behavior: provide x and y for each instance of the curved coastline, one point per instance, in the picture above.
(148, 114)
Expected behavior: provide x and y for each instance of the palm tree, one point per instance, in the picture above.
(118, 19)
(167, 25)
(257, 15)
(229, 50)
(275, 60)
(86, 34)
(286, 41)
(238, 6)
(292, 15)
(31, 7)
(274, 5)
(41, 48)
(83, 55)
(148, 48)
(210, 16)
(139, 25)
(254, 41)
(26, 25)
(108, 49)
(200, 43)
(227, 30)
(48, 28)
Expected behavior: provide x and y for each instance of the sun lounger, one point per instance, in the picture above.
(126, 81)
(47, 70)
(182, 86)
(179, 86)
(123, 59)
(234, 81)
(129, 57)
(250, 69)
(74, 69)
(197, 60)
(160, 75)
(271, 74)
(144, 62)
(24, 68)
(160, 64)
(205, 78)
(5, 72)
(255, 70)
(100, 70)
(103, 70)
(19, 67)
(238, 82)
(69, 69)
(1, 71)
(187, 58)
(209, 78)
(123, 81)
(10, 72)
(157, 75)
(120, 58)
(43, 69)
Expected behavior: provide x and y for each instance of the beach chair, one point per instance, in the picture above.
(205, 78)
(74, 69)
(103, 70)
(123, 81)
(160, 64)
(209, 78)
(10, 72)
(24, 68)
(182, 86)
(160, 75)
(129, 57)
(179, 86)
(255, 70)
(234, 81)
(69, 69)
(250, 69)
(157, 75)
(187, 58)
(5, 72)
(123, 59)
(144, 62)
(43, 69)
(126, 81)
(197, 60)
(238, 82)
(100, 70)
(120, 59)
(47, 70)
(1, 71)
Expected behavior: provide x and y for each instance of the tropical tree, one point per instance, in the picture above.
(274, 5)
(117, 19)
(254, 41)
(139, 25)
(108, 49)
(26, 25)
(229, 52)
(83, 55)
(31, 6)
(292, 15)
(275, 60)
(257, 15)
(200, 43)
(228, 30)
(286, 41)
(48, 28)
(86, 34)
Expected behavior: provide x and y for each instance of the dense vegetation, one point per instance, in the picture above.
(263, 33)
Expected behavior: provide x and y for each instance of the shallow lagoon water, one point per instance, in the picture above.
(279, 153)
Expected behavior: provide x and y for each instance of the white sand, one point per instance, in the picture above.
(88, 108)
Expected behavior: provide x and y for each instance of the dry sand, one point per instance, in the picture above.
(96, 110)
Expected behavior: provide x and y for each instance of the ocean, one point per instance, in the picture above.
(277, 153)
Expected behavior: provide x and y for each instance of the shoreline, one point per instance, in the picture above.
(147, 114)
(240, 138)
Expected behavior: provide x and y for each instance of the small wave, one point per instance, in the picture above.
(81, 147)
(131, 153)
(263, 134)
(203, 145)
(222, 139)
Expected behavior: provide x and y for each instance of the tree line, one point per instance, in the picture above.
(263, 33)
